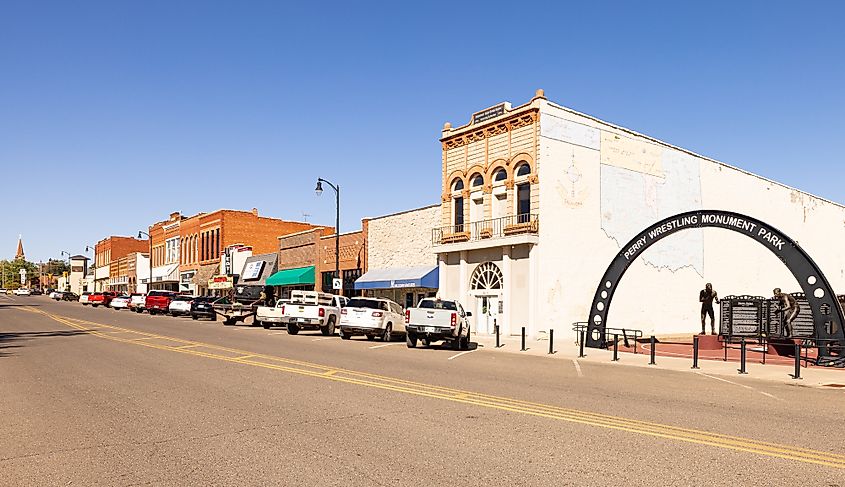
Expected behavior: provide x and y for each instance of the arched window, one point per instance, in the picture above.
(500, 175)
(486, 276)
(523, 170)
(457, 184)
(477, 180)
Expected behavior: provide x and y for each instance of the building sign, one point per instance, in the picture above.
(337, 283)
(76, 268)
(492, 112)
(253, 270)
(758, 232)
(400, 284)
(23, 276)
(221, 282)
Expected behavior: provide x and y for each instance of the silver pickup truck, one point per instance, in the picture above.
(435, 320)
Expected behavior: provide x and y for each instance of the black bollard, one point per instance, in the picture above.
(615, 347)
(653, 341)
(551, 341)
(695, 351)
(797, 374)
(496, 329)
(523, 340)
(726, 351)
(581, 344)
(742, 357)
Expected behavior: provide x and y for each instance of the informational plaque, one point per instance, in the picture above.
(741, 316)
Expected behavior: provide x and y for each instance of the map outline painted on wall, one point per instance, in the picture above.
(641, 182)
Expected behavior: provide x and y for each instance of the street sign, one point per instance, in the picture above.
(23, 276)
(337, 284)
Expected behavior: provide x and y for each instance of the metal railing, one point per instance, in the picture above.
(628, 335)
(527, 223)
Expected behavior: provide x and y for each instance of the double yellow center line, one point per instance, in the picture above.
(336, 374)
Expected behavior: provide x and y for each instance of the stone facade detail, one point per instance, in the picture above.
(403, 239)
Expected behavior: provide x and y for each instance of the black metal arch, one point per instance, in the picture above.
(827, 314)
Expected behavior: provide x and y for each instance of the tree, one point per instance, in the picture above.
(10, 272)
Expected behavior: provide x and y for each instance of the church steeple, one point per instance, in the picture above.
(20, 255)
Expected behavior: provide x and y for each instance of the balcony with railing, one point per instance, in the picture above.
(507, 226)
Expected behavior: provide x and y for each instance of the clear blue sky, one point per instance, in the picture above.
(115, 113)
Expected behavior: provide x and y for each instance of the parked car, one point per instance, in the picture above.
(120, 302)
(371, 317)
(201, 307)
(84, 298)
(158, 301)
(22, 291)
(69, 296)
(304, 310)
(136, 302)
(436, 320)
(180, 305)
(36, 292)
(57, 295)
(2, 290)
(103, 298)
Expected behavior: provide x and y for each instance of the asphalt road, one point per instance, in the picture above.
(100, 397)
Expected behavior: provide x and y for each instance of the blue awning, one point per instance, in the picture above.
(400, 277)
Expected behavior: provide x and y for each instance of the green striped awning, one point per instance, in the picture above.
(293, 277)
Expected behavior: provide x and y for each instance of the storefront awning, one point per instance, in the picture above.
(301, 276)
(400, 277)
(166, 273)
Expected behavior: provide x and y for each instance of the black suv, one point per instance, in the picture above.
(201, 307)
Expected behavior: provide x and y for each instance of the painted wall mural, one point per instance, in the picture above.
(641, 183)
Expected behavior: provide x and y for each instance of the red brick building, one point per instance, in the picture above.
(307, 260)
(186, 251)
(107, 259)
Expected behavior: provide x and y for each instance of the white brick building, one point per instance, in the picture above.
(538, 199)
(400, 260)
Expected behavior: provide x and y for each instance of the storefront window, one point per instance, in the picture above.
(326, 286)
(349, 277)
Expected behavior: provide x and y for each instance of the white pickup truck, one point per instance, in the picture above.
(305, 310)
(438, 319)
(269, 316)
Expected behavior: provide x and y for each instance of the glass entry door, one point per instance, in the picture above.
(487, 312)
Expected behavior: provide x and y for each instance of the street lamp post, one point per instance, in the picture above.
(67, 279)
(149, 260)
(93, 250)
(336, 188)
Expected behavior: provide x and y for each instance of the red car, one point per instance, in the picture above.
(103, 298)
(158, 301)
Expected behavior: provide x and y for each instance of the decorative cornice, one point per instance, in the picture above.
(517, 121)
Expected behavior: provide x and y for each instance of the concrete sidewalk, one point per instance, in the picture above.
(566, 349)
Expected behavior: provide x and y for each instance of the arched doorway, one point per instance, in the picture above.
(486, 287)
(827, 314)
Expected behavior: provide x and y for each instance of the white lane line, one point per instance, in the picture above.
(462, 353)
(578, 368)
(740, 385)
(322, 338)
(279, 333)
(725, 380)
(386, 345)
(253, 328)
